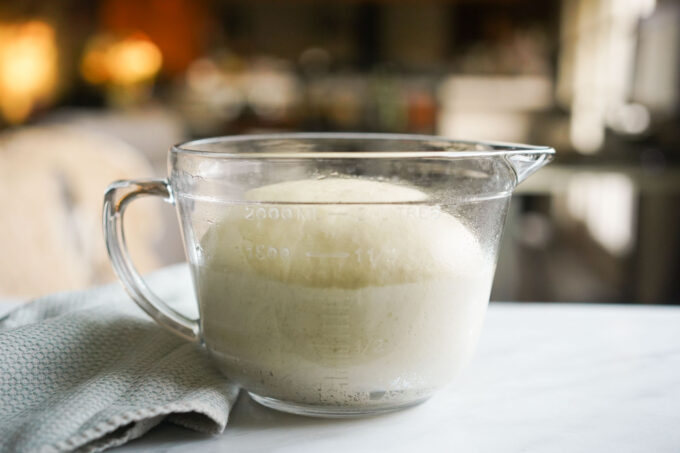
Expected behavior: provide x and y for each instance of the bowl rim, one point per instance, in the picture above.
(193, 147)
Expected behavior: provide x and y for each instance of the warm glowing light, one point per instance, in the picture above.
(124, 62)
(28, 68)
(132, 61)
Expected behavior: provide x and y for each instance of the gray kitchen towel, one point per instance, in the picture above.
(86, 371)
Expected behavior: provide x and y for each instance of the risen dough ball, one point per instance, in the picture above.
(359, 240)
(343, 292)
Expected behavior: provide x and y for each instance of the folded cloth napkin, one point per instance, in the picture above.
(86, 371)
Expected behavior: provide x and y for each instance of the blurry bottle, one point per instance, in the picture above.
(422, 111)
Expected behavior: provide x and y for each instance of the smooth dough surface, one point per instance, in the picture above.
(350, 245)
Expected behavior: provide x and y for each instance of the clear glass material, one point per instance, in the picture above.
(336, 274)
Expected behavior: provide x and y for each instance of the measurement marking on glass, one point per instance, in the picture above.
(339, 255)
(337, 339)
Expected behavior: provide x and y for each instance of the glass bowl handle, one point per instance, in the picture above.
(118, 196)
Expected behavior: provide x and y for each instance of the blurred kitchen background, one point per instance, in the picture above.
(93, 91)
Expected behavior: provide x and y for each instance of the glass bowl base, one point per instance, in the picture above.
(329, 411)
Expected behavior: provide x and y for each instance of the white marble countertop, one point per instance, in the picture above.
(546, 378)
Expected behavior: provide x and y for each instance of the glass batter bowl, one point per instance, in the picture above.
(336, 274)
